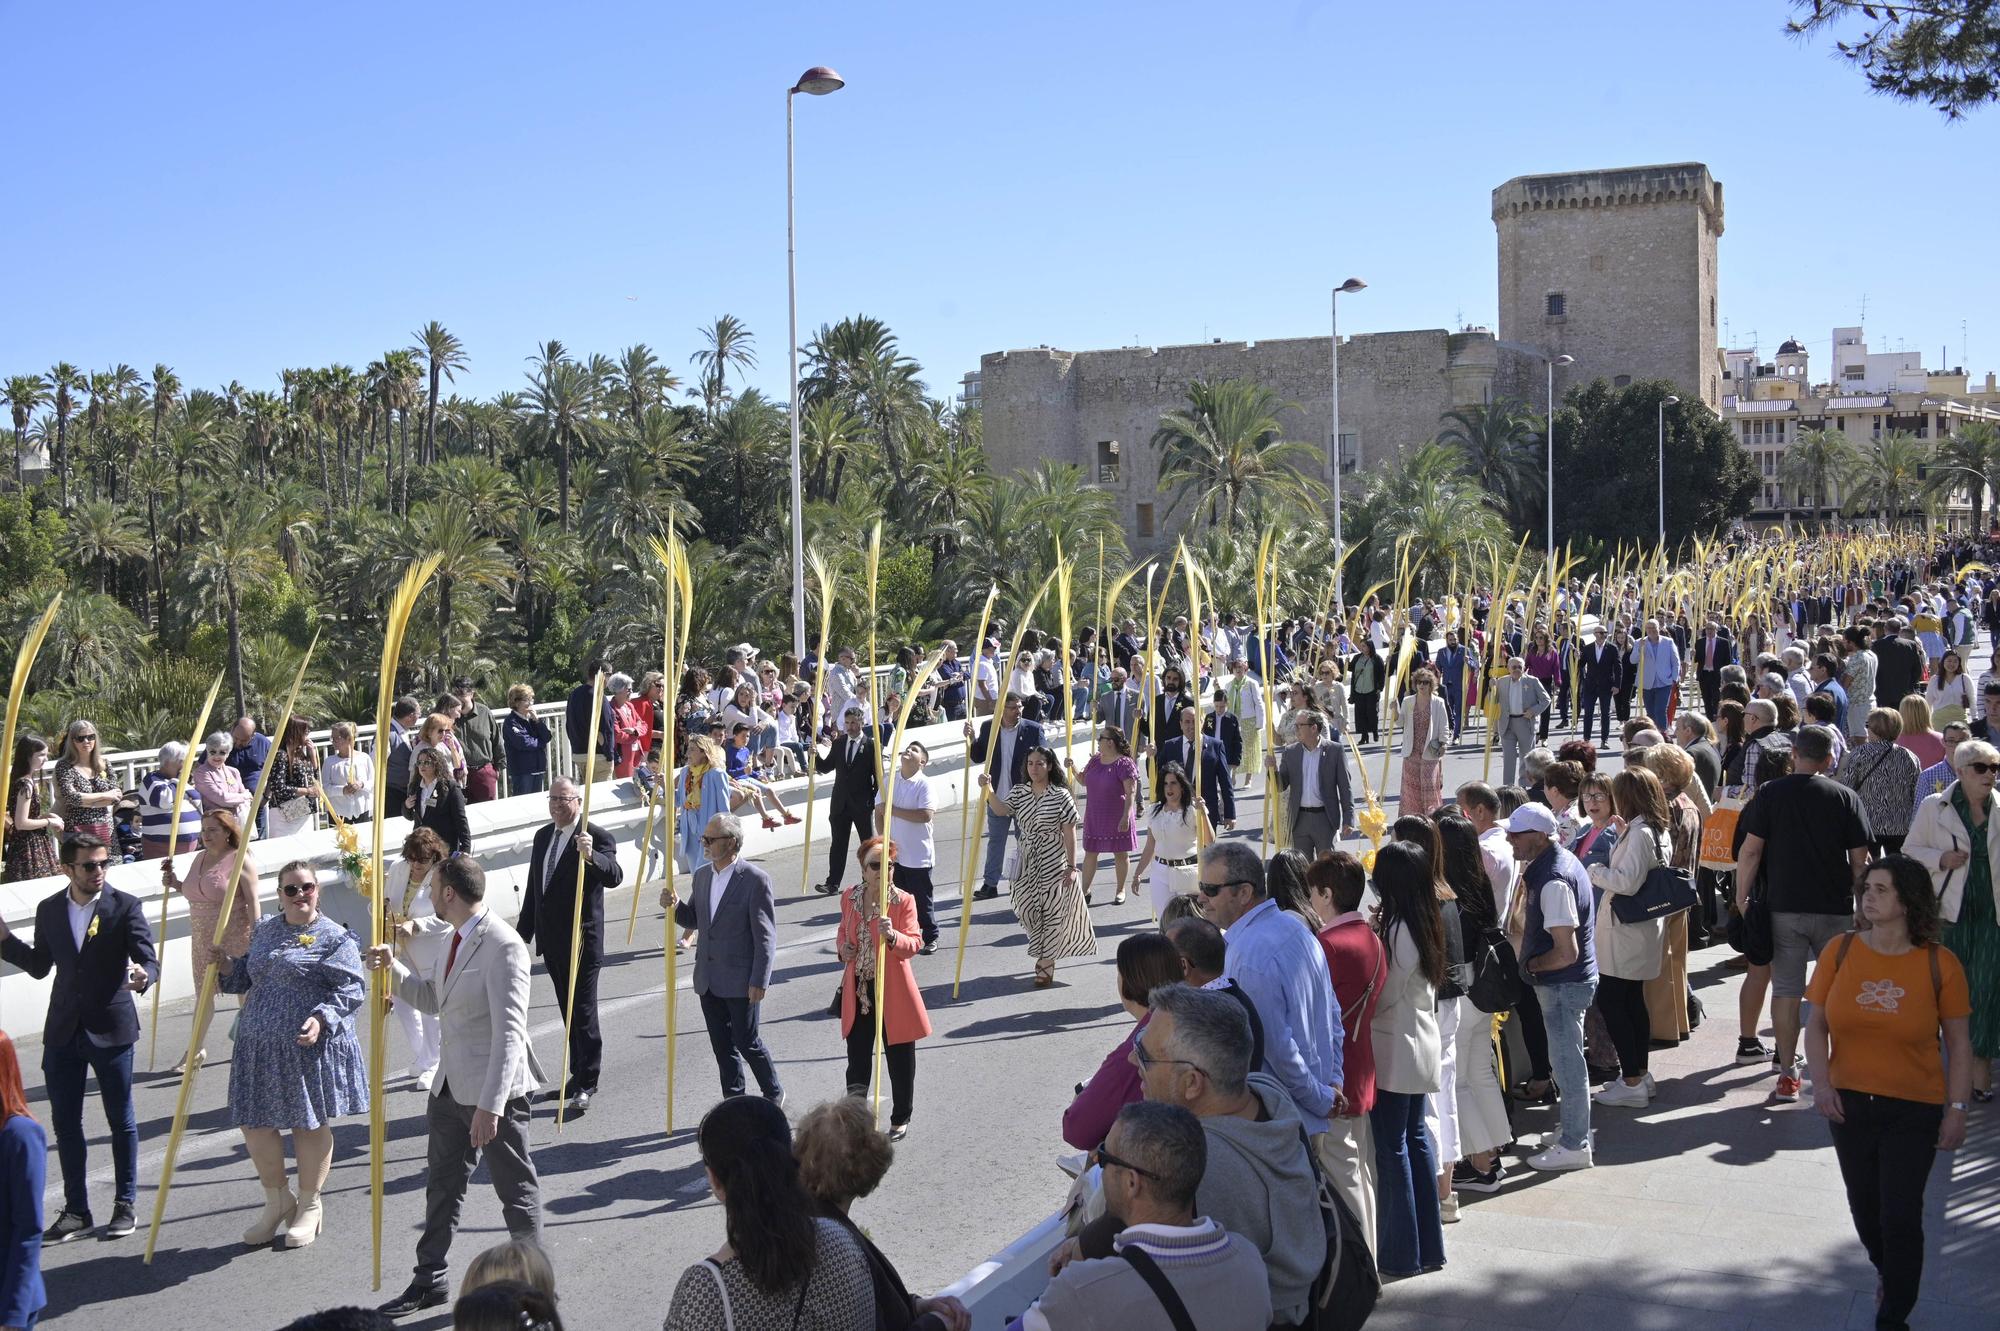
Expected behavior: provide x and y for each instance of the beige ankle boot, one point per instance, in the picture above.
(305, 1221)
(277, 1212)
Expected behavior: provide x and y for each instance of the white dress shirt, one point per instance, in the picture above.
(79, 918)
(717, 885)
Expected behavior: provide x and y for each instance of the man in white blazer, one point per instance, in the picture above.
(487, 1071)
(733, 907)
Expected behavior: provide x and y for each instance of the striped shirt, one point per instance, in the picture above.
(157, 807)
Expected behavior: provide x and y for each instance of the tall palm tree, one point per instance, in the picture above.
(829, 434)
(26, 394)
(101, 536)
(727, 345)
(236, 555)
(1890, 478)
(1813, 464)
(1499, 442)
(443, 356)
(643, 380)
(561, 402)
(1226, 447)
(1974, 446)
(264, 418)
(63, 380)
(1427, 500)
(469, 560)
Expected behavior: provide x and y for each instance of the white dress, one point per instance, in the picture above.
(1173, 839)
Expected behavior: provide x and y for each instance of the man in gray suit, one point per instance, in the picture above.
(1318, 799)
(1120, 705)
(1521, 699)
(732, 906)
(477, 985)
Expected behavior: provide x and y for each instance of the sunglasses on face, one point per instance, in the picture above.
(1103, 1159)
(1984, 769)
(93, 866)
(86, 739)
(299, 889)
(709, 839)
(873, 866)
(1216, 889)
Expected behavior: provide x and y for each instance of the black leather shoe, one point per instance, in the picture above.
(416, 1298)
(826, 889)
(986, 893)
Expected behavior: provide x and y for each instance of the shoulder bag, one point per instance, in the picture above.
(1667, 891)
(1750, 930)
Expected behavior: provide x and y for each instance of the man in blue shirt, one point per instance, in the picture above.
(1658, 661)
(1281, 967)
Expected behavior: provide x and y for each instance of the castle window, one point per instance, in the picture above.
(1350, 451)
(1145, 519)
(1621, 380)
(1558, 306)
(1107, 462)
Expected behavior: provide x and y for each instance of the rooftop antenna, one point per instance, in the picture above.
(1964, 358)
(1864, 309)
(1726, 339)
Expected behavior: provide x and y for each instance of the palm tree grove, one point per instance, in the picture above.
(193, 529)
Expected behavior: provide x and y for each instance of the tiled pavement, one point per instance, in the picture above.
(1712, 1208)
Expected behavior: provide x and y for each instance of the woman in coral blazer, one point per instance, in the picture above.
(904, 1021)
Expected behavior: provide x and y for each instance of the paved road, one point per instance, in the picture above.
(1714, 1210)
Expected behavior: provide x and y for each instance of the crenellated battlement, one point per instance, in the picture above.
(1679, 182)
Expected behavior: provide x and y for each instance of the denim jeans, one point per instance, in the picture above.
(1563, 1006)
(1656, 705)
(1409, 1234)
(63, 1069)
(733, 1035)
(997, 827)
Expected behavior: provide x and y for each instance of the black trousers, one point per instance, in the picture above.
(899, 1060)
(917, 882)
(735, 1039)
(1622, 1004)
(1596, 698)
(1367, 713)
(1886, 1148)
(586, 1040)
(859, 821)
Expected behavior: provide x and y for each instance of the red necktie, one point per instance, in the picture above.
(451, 956)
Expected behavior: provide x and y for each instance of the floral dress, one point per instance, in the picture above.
(1049, 906)
(291, 974)
(30, 854)
(72, 783)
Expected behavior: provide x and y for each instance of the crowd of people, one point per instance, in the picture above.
(1323, 1040)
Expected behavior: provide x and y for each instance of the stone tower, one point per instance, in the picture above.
(1615, 268)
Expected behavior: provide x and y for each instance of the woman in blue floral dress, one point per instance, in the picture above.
(297, 1064)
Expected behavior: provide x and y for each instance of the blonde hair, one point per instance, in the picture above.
(516, 1259)
(98, 766)
(710, 754)
(342, 730)
(519, 694)
(1915, 710)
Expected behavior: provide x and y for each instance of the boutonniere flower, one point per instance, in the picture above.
(91, 932)
(305, 940)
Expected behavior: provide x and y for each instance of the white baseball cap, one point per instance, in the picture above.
(1532, 818)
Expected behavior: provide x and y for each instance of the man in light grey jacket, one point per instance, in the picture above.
(477, 984)
(1258, 1180)
(733, 907)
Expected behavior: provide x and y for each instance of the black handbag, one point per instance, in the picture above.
(1750, 929)
(1666, 892)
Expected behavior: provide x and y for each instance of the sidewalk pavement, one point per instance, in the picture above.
(1711, 1208)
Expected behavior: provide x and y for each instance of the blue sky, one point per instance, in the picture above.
(235, 188)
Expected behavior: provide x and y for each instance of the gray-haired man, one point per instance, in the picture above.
(733, 907)
(1312, 773)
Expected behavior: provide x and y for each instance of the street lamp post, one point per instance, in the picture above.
(1350, 286)
(1665, 402)
(819, 81)
(1549, 498)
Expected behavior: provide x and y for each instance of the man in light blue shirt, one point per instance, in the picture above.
(1281, 967)
(1658, 659)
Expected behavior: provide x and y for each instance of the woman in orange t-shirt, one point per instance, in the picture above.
(1878, 1000)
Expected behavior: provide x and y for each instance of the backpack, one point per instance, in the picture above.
(1496, 985)
(1346, 1289)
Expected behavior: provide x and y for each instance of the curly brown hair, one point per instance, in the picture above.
(1912, 882)
(842, 1155)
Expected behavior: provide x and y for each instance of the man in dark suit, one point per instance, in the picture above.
(1318, 799)
(732, 907)
(97, 941)
(853, 759)
(1003, 749)
(576, 721)
(1603, 670)
(1222, 723)
(1217, 789)
(1712, 652)
(1899, 664)
(548, 908)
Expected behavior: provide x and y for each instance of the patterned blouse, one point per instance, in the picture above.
(839, 1293)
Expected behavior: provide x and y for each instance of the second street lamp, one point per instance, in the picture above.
(1349, 287)
(818, 81)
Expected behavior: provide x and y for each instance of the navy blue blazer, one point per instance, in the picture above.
(1217, 791)
(1030, 737)
(89, 992)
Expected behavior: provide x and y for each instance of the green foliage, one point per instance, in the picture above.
(1945, 52)
(32, 534)
(905, 590)
(1606, 466)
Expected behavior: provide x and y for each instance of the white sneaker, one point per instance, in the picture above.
(1448, 1209)
(1652, 1087)
(1560, 1157)
(1619, 1092)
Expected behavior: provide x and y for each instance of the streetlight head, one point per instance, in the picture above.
(1563, 360)
(819, 81)
(1351, 285)
(1670, 401)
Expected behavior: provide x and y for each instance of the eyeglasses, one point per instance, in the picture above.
(565, 799)
(1217, 889)
(93, 866)
(873, 866)
(710, 839)
(1984, 769)
(1147, 1059)
(298, 889)
(1105, 1160)
(86, 739)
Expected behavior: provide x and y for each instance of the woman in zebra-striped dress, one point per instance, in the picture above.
(1047, 899)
